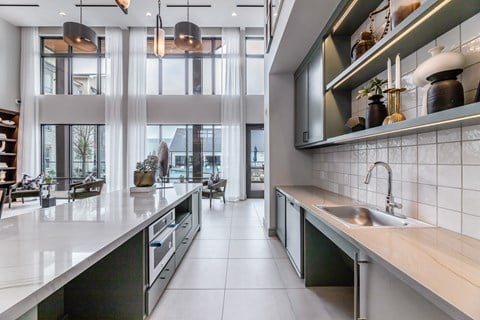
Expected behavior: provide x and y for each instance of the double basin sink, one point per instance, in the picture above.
(356, 216)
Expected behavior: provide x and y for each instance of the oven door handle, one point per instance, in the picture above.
(155, 244)
(166, 234)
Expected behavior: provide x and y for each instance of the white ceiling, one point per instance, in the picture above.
(219, 15)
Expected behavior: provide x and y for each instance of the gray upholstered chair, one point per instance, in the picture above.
(215, 190)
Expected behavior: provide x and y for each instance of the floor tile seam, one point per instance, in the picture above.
(226, 271)
(249, 258)
(286, 289)
(256, 289)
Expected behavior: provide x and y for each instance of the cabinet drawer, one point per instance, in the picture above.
(182, 230)
(158, 287)
(182, 248)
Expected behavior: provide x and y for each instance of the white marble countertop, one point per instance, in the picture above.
(442, 265)
(42, 251)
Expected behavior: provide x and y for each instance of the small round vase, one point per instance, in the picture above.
(143, 178)
(376, 112)
(446, 91)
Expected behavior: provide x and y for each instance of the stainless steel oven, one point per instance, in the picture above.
(161, 244)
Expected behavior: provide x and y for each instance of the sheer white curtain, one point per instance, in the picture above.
(233, 115)
(113, 109)
(137, 100)
(29, 131)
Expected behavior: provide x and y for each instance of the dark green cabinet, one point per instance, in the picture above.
(309, 113)
(315, 97)
(301, 108)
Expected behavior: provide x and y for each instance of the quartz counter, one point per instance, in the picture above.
(43, 250)
(443, 266)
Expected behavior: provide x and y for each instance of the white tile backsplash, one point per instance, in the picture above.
(469, 29)
(449, 135)
(449, 219)
(449, 176)
(450, 198)
(436, 174)
(471, 152)
(449, 153)
(471, 177)
(438, 183)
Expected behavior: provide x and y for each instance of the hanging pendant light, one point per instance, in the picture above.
(123, 4)
(80, 36)
(159, 40)
(188, 36)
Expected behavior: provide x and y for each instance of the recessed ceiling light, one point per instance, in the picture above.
(148, 14)
(63, 14)
(234, 14)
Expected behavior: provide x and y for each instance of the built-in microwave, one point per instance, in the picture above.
(161, 244)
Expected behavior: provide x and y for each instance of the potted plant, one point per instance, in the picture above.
(376, 111)
(182, 178)
(144, 176)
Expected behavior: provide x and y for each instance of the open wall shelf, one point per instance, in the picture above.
(430, 20)
(340, 75)
(464, 116)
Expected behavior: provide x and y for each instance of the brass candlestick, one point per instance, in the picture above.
(394, 108)
(391, 109)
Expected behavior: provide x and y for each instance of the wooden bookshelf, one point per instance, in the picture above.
(9, 154)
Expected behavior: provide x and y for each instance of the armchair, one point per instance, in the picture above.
(82, 190)
(17, 190)
(215, 190)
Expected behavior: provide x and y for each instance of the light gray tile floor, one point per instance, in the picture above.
(233, 270)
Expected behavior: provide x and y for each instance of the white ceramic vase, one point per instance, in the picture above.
(438, 62)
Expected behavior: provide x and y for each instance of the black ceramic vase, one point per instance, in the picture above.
(446, 91)
(376, 111)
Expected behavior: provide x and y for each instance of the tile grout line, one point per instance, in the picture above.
(226, 271)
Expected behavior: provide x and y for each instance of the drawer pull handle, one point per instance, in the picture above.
(163, 278)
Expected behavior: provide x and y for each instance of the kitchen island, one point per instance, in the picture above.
(48, 255)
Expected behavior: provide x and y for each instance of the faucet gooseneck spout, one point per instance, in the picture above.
(391, 204)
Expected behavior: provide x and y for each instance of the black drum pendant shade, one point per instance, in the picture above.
(123, 4)
(80, 36)
(188, 36)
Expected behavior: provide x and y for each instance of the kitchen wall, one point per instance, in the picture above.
(436, 175)
(10, 62)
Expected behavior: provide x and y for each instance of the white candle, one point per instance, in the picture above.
(398, 83)
(389, 74)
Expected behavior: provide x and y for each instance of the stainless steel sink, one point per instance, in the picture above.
(369, 217)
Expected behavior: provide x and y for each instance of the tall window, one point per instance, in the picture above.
(66, 70)
(184, 73)
(254, 49)
(195, 150)
(72, 152)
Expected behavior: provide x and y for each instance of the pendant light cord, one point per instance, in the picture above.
(81, 11)
(188, 10)
(159, 16)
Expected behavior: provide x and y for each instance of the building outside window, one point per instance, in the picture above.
(195, 150)
(66, 70)
(184, 73)
(71, 152)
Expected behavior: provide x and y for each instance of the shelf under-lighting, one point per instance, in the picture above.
(461, 116)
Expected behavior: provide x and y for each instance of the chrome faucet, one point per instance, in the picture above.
(391, 204)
